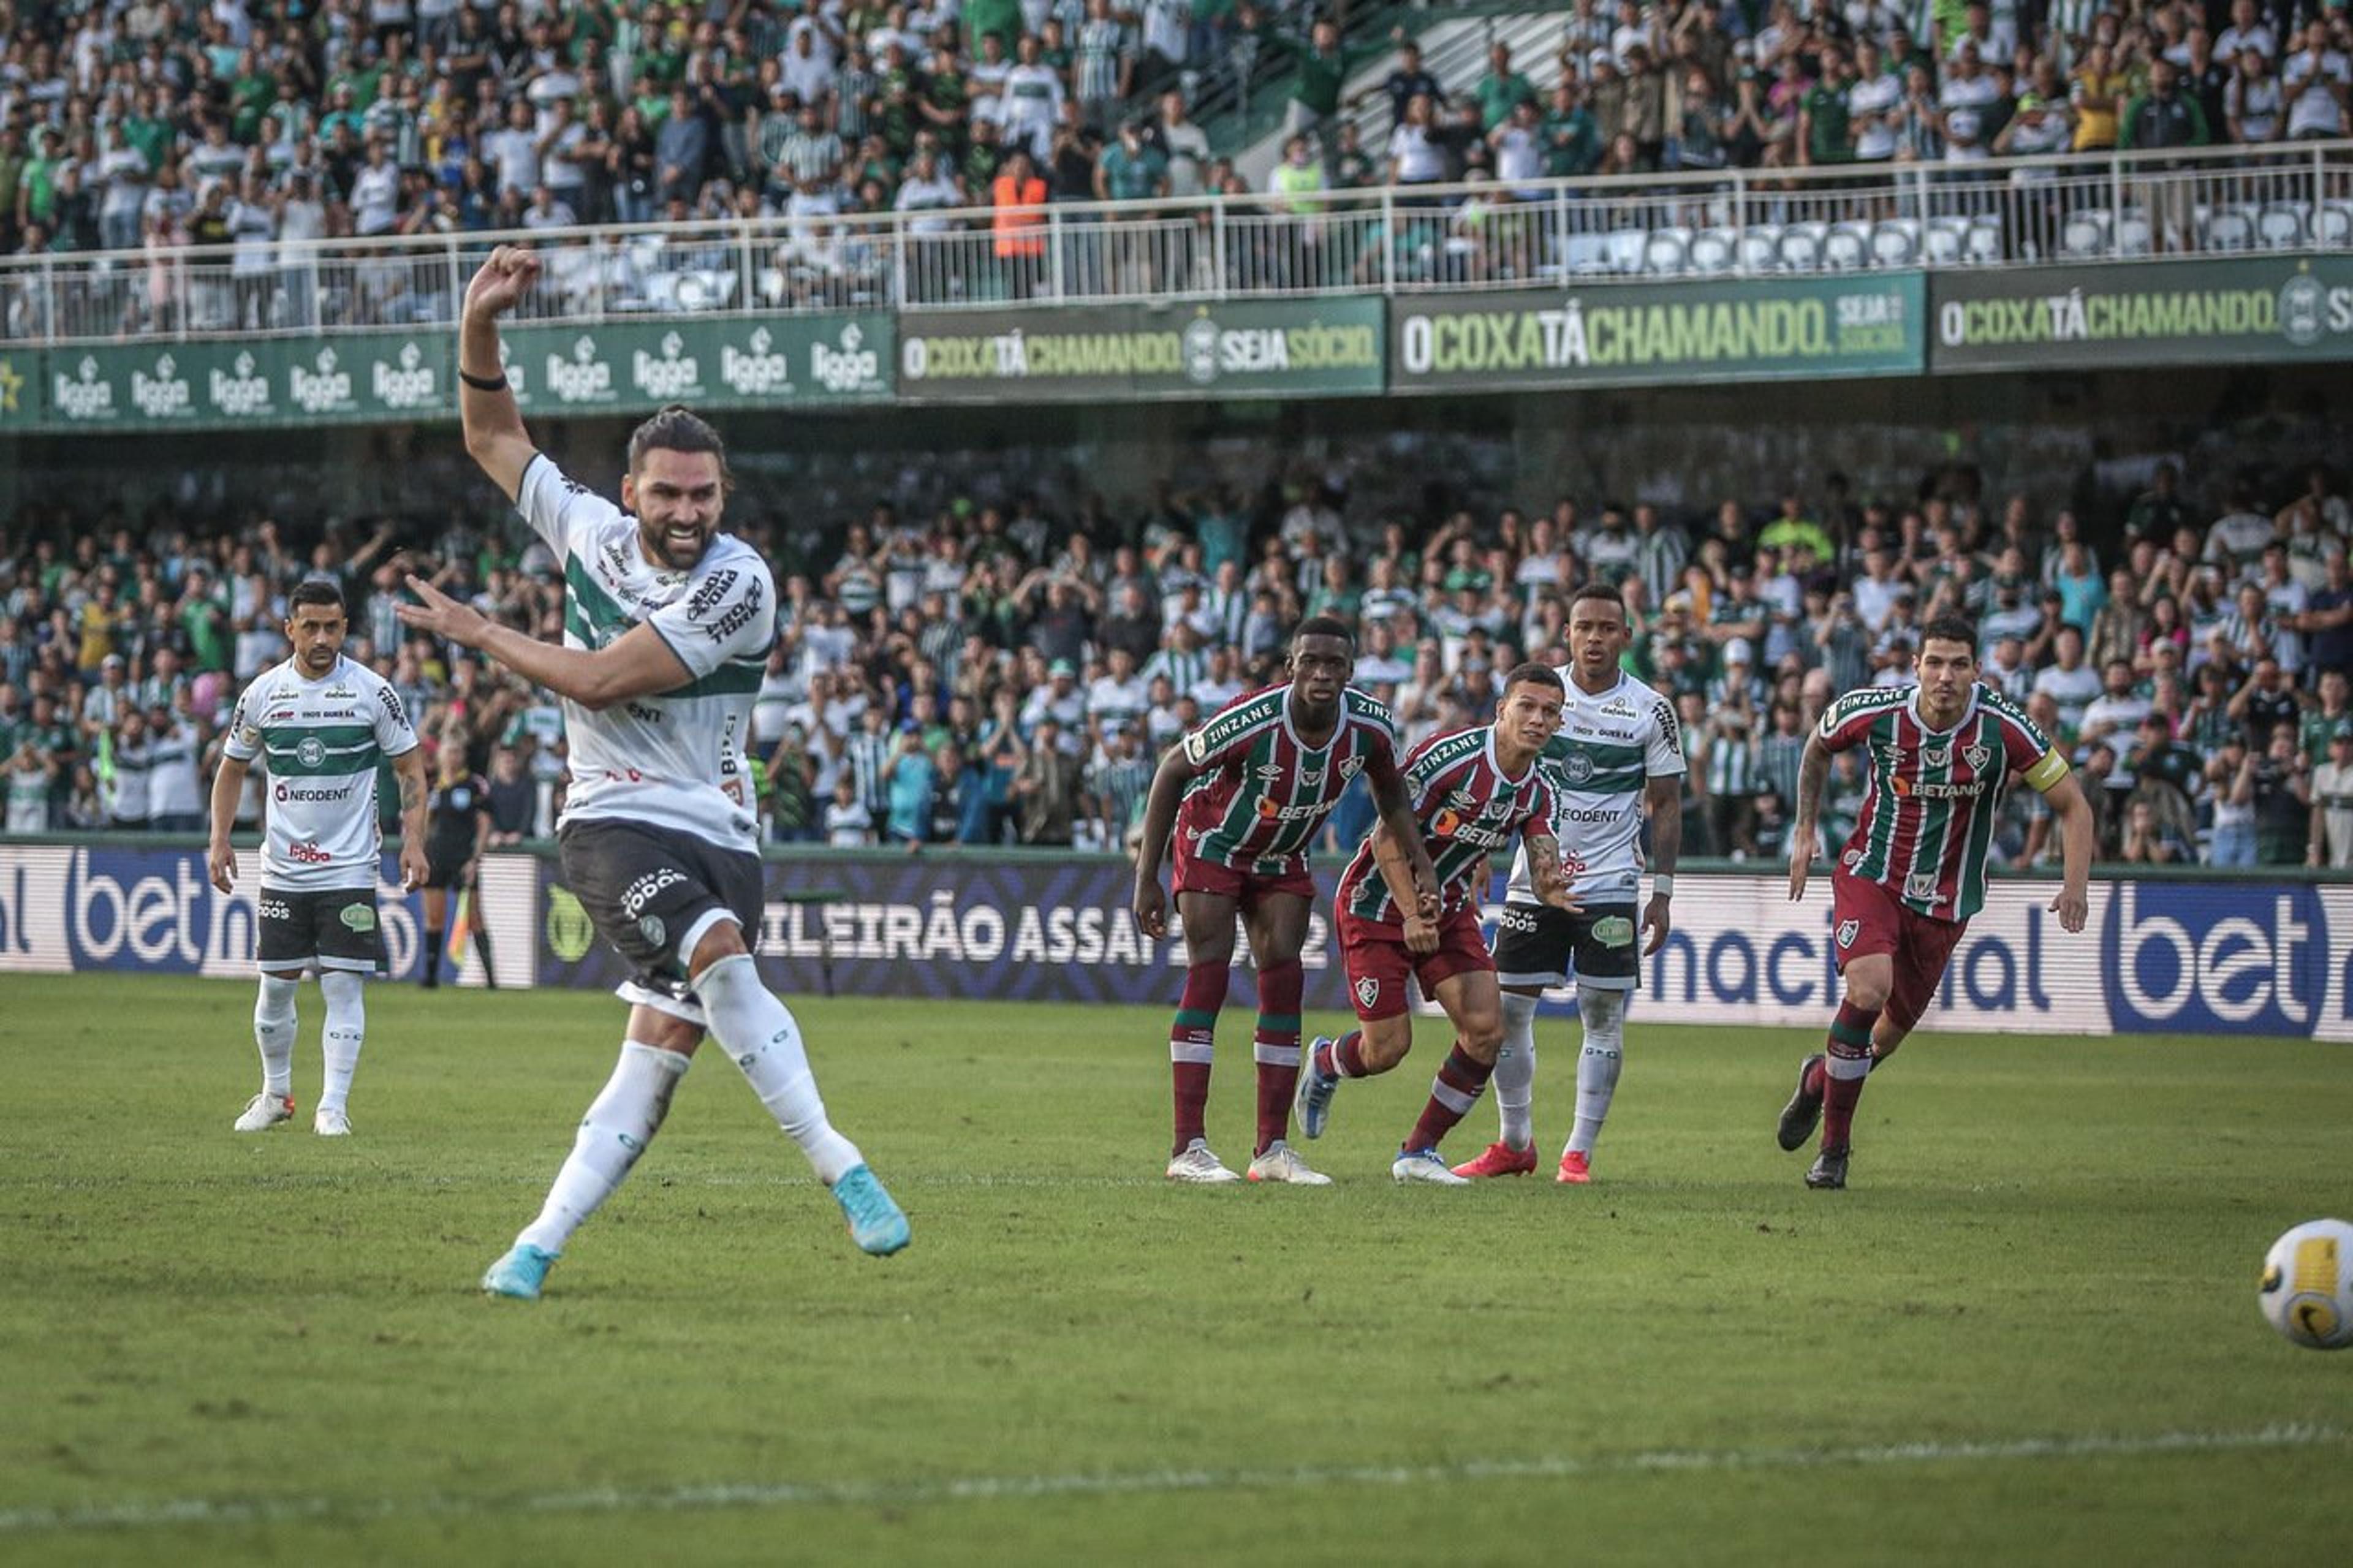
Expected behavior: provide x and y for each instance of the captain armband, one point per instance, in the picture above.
(2047, 773)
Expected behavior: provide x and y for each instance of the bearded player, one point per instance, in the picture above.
(667, 626)
(1246, 793)
(1913, 873)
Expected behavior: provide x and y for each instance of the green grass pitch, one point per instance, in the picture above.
(2027, 1333)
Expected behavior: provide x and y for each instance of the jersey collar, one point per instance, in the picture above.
(1967, 712)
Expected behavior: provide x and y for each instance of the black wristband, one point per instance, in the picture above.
(485, 382)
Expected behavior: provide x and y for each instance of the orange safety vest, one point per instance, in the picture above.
(1021, 219)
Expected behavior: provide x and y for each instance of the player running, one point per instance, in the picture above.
(322, 724)
(1474, 792)
(1619, 749)
(1246, 793)
(667, 622)
(1913, 873)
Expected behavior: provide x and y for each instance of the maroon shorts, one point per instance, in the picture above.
(1377, 963)
(1866, 918)
(1194, 874)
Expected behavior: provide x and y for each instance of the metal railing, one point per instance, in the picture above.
(1696, 225)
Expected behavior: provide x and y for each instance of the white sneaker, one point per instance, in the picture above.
(331, 1121)
(1281, 1162)
(1425, 1165)
(264, 1111)
(1198, 1165)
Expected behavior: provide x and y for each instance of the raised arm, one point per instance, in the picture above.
(639, 664)
(495, 436)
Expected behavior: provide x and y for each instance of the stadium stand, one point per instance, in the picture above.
(2196, 665)
(268, 161)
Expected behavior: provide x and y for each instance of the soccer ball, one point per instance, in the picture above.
(2307, 1287)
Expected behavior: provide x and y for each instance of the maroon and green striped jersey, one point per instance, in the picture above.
(1928, 811)
(1261, 793)
(1468, 808)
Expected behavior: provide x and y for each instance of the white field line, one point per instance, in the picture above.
(168, 1514)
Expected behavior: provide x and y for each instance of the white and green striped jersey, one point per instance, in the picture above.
(321, 743)
(1611, 745)
(676, 759)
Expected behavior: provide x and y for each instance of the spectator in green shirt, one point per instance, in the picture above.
(1323, 68)
(1500, 89)
(1572, 143)
(1823, 114)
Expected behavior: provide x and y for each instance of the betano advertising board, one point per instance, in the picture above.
(2192, 957)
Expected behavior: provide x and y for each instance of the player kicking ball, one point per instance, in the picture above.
(666, 625)
(1474, 792)
(320, 724)
(1619, 750)
(1913, 873)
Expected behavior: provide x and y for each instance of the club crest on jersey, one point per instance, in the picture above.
(652, 930)
(1351, 767)
(310, 751)
(1848, 931)
(1577, 767)
(1369, 991)
(1977, 756)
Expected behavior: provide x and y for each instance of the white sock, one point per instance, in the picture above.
(758, 1032)
(619, 1125)
(273, 1031)
(346, 1030)
(1515, 1071)
(1604, 1016)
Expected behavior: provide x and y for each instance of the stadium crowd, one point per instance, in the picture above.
(992, 674)
(239, 123)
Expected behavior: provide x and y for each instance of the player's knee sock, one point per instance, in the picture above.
(1603, 1014)
(273, 1031)
(1843, 1072)
(1190, 1040)
(346, 1031)
(1343, 1057)
(1276, 1050)
(433, 955)
(1515, 1071)
(619, 1125)
(758, 1032)
(1452, 1093)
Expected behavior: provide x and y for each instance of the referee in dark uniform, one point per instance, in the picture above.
(456, 826)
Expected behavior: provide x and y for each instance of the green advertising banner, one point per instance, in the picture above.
(22, 395)
(714, 361)
(2144, 313)
(1629, 334)
(1237, 348)
(388, 378)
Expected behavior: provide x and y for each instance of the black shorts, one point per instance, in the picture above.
(649, 889)
(326, 928)
(1535, 942)
(442, 868)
